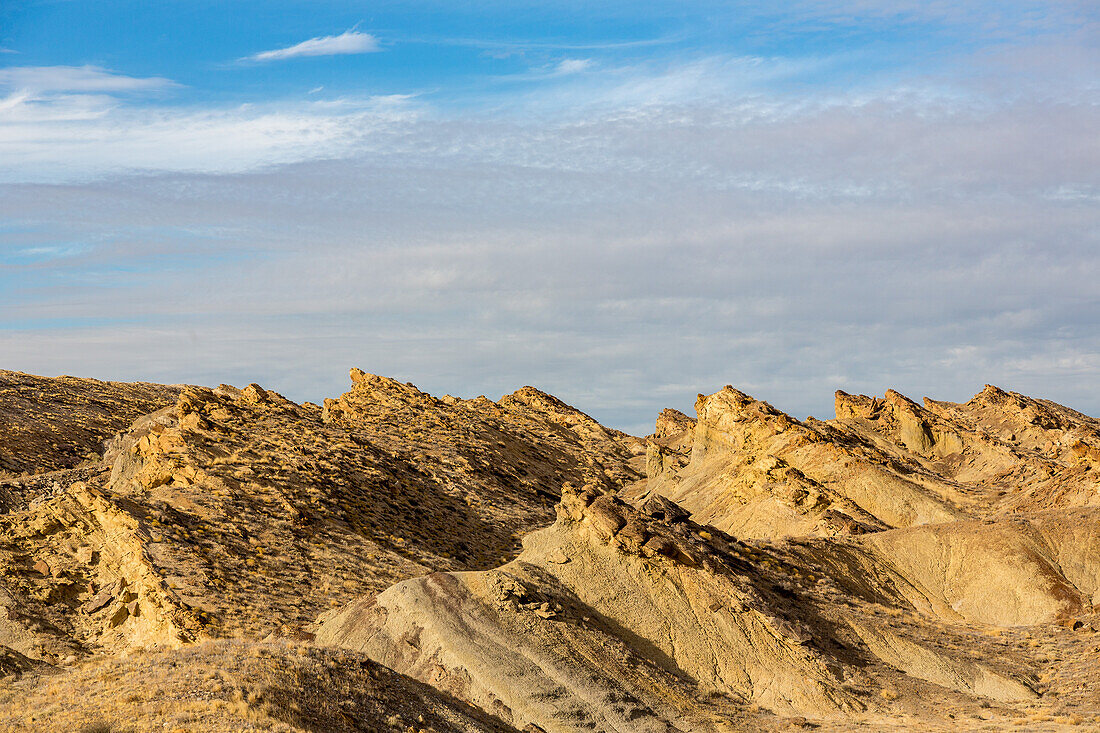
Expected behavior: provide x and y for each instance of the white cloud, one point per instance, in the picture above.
(78, 137)
(572, 66)
(24, 112)
(348, 42)
(14, 101)
(77, 79)
(630, 88)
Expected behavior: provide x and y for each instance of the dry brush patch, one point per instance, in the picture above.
(231, 686)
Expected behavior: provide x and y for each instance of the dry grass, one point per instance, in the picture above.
(233, 686)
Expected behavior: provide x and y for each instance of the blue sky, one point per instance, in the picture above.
(465, 54)
(624, 204)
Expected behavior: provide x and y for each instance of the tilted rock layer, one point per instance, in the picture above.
(881, 463)
(357, 565)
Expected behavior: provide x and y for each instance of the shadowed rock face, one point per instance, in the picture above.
(55, 424)
(508, 457)
(903, 566)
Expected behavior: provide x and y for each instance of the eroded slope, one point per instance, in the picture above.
(625, 619)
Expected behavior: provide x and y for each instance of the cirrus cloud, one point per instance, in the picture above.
(348, 42)
(77, 79)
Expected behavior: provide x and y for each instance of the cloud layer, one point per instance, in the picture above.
(623, 232)
(626, 262)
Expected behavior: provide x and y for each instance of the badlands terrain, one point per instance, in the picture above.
(185, 558)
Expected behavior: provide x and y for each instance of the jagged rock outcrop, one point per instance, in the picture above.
(756, 471)
(79, 576)
(1005, 451)
(881, 463)
(668, 450)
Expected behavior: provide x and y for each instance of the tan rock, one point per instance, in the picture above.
(902, 566)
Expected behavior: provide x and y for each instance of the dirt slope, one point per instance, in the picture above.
(49, 424)
(213, 687)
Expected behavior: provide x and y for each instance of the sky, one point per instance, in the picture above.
(625, 204)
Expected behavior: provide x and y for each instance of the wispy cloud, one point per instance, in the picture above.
(348, 42)
(550, 71)
(521, 44)
(77, 79)
(81, 136)
(572, 66)
(583, 86)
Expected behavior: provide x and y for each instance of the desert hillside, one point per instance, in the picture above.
(191, 558)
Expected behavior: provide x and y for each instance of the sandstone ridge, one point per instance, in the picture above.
(223, 558)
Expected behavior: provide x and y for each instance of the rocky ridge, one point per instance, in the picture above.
(873, 563)
(899, 565)
(239, 512)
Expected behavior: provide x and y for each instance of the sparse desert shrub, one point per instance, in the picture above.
(96, 726)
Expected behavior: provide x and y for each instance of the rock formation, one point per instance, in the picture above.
(881, 463)
(358, 565)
